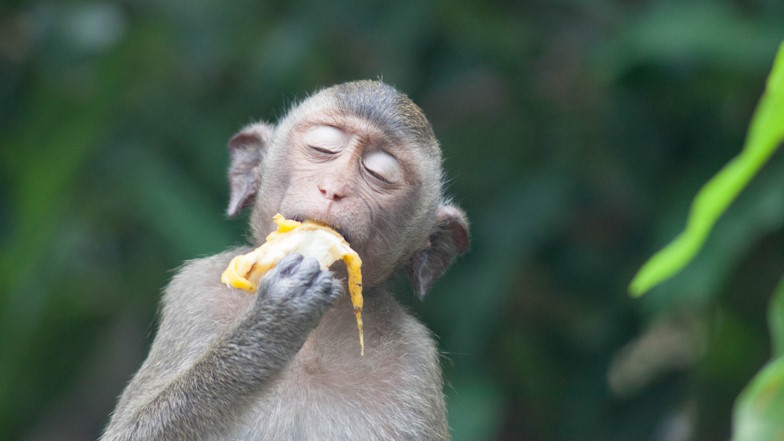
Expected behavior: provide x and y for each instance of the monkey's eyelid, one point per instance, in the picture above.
(323, 150)
(378, 176)
(382, 166)
(325, 137)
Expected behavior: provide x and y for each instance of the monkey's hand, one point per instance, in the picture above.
(298, 292)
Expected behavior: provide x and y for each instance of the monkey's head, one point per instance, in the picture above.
(362, 158)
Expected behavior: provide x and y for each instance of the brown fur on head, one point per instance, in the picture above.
(362, 158)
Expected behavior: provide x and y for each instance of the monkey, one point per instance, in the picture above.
(284, 363)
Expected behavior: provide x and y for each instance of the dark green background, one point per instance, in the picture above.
(575, 134)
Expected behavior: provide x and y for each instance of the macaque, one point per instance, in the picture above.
(284, 363)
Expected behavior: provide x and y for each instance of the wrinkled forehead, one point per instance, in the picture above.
(379, 105)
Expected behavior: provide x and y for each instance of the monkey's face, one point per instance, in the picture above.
(362, 158)
(353, 176)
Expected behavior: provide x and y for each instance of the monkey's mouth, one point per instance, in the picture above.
(322, 221)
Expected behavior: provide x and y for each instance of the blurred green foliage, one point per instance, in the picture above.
(575, 135)
(766, 133)
(759, 412)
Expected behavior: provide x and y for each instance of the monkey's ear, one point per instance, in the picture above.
(246, 149)
(448, 240)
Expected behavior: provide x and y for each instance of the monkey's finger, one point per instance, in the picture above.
(288, 263)
(330, 289)
(335, 291)
(309, 269)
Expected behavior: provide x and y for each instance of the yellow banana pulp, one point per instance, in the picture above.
(308, 238)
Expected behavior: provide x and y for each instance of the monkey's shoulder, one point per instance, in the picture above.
(201, 271)
(418, 349)
(196, 289)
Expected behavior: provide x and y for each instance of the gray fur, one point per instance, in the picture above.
(285, 364)
(204, 372)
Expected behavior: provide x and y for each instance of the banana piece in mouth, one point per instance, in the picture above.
(309, 238)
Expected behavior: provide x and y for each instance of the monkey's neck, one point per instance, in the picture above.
(377, 300)
(337, 330)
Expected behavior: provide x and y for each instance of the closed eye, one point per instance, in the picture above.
(377, 176)
(325, 139)
(323, 150)
(383, 167)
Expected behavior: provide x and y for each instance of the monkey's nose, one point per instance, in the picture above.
(333, 189)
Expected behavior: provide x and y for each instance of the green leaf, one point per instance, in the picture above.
(759, 410)
(766, 133)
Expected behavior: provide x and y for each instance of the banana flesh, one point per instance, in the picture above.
(308, 238)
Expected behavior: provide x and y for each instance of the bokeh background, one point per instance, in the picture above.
(575, 134)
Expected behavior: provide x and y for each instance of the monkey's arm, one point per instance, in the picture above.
(205, 368)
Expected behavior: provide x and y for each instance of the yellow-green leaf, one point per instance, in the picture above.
(766, 133)
(759, 411)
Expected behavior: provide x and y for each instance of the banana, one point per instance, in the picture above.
(308, 238)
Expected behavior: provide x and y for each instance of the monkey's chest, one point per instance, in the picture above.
(311, 403)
